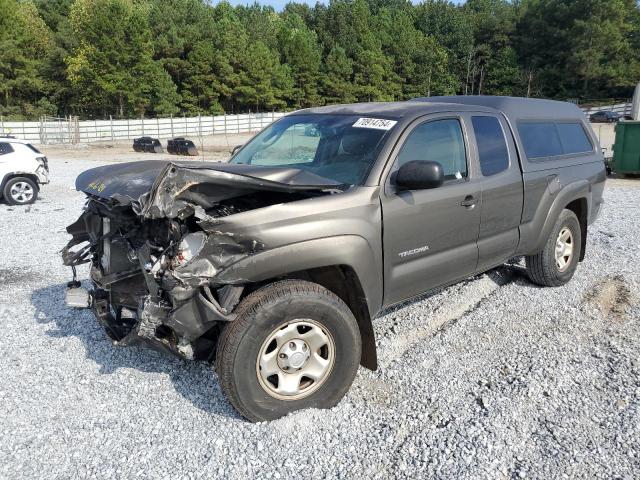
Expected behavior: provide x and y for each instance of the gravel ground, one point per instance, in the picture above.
(490, 378)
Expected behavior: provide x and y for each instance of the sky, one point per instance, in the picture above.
(279, 4)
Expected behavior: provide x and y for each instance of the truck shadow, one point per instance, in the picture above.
(195, 381)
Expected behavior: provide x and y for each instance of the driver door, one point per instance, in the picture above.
(430, 236)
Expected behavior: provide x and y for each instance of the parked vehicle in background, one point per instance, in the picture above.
(23, 168)
(182, 146)
(147, 144)
(605, 116)
(275, 263)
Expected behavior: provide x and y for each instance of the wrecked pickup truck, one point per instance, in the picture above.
(273, 265)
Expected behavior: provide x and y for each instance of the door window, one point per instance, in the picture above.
(437, 141)
(492, 147)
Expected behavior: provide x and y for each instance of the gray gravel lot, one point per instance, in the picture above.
(490, 378)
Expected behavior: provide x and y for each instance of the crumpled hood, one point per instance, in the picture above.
(153, 184)
(120, 181)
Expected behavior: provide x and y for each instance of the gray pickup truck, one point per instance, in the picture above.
(274, 264)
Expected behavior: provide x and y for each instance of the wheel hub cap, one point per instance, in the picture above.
(21, 192)
(295, 359)
(293, 355)
(564, 249)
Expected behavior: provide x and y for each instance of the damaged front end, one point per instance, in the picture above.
(155, 237)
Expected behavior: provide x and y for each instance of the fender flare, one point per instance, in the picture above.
(539, 229)
(10, 175)
(352, 251)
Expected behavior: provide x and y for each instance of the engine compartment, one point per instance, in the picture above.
(153, 274)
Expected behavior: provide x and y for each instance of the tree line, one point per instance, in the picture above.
(95, 58)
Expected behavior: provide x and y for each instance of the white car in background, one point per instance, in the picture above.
(23, 168)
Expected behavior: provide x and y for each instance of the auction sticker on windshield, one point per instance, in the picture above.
(377, 123)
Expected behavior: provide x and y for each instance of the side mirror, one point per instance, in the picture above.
(419, 175)
(235, 149)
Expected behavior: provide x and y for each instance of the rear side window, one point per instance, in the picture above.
(553, 139)
(5, 148)
(492, 147)
(573, 138)
(540, 139)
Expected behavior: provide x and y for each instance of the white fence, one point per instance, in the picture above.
(621, 108)
(71, 130)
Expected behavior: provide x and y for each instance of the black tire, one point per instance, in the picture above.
(12, 199)
(271, 308)
(542, 267)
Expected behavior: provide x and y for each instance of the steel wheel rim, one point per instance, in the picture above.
(295, 359)
(564, 249)
(21, 192)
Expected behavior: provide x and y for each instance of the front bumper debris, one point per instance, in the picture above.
(77, 297)
(152, 282)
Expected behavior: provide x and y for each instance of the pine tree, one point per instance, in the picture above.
(113, 63)
(300, 50)
(337, 85)
(24, 42)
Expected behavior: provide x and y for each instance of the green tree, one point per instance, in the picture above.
(579, 48)
(493, 68)
(264, 82)
(351, 25)
(24, 42)
(160, 57)
(261, 23)
(299, 47)
(421, 66)
(112, 63)
(336, 83)
(450, 27)
(55, 14)
(183, 34)
(200, 87)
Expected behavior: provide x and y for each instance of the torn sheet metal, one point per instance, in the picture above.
(156, 236)
(161, 189)
(179, 185)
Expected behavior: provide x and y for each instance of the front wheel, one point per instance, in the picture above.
(293, 345)
(20, 191)
(557, 262)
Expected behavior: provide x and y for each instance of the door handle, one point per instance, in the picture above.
(469, 201)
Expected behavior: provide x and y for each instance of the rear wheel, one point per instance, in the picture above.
(20, 191)
(557, 262)
(293, 345)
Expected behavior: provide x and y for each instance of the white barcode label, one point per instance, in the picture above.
(377, 123)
